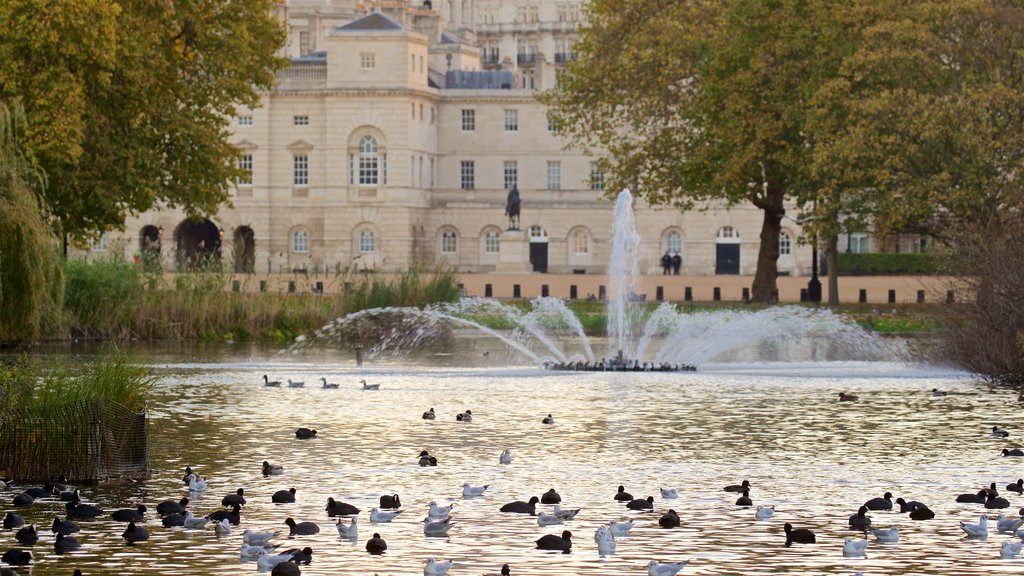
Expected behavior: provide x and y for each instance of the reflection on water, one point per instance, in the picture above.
(817, 460)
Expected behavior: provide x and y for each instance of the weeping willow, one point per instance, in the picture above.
(31, 279)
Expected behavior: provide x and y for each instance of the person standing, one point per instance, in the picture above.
(666, 264)
(677, 263)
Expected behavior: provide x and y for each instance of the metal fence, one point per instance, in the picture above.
(88, 441)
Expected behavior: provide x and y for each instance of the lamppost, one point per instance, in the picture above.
(814, 284)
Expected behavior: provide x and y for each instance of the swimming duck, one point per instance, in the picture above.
(272, 469)
(936, 393)
(65, 544)
(745, 485)
(860, 520)
(283, 496)
(135, 533)
(998, 432)
(429, 415)
(305, 433)
(231, 499)
(301, 528)
(799, 535)
(561, 543)
(744, 500)
(335, 508)
(883, 503)
(520, 507)
(548, 420)
(270, 383)
(64, 527)
(622, 495)
(641, 503)
(426, 459)
(369, 386)
(129, 515)
(390, 501)
(466, 416)
(550, 497)
(376, 545)
(669, 520)
(844, 397)
(328, 385)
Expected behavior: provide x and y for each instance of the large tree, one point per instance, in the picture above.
(129, 101)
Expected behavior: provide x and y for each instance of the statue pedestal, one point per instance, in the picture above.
(514, 253)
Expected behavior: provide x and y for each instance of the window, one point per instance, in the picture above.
(303, 43)
(491, 243)
(245, 165)
(468, 120)
(596, 177)
(448, 242)
(100, 245)
(432, 114)
(511, 120)
(300, 120)
(300, 170)
(511, 174)
(858, 243)
(551, 122)
(728, 233)
(412, 62)
(300, 242)
(368, 161)
(581, 242)
(366, 241)
(245, 120)
(467, 174)
(367, 60)
(536, 231)
(554, 175)
(785, 244)
(674, 243)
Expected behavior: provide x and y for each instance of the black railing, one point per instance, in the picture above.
(526, 58)
(561, 57)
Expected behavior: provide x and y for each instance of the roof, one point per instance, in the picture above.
(311, 58)
(447, 38)
(375, 21)
(478, 80)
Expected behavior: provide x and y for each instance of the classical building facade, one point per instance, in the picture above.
(394, 137)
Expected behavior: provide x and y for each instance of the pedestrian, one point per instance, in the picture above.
(677, 263)
(666, 264)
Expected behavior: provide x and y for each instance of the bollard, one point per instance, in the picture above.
(573, 292)
(488, 291)
(600, 293)
(746, 295)
(892, 296)
(263, 285)
(717, 294)
(803, 294)
(359, 354)
(291, 286)
(516, 291)
(949, 296)
(920, 296)
(862, 296)
(318, 287)
(688, 294)
(659, 293)
(544, 292)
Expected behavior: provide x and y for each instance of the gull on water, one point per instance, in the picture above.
(473, 491)
(656, 569)
(544, 519)
(378, 517)
(886, 535)
(605, 541)
(437, 527)
(506, 457)
(439, 511)
(669, 493)
(435, 568)
(620, 528)
(764, 512)
(979, 530)
(350, 531)
(853, 548)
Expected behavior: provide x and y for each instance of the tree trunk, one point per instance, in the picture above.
(832, 257)
(765, 287)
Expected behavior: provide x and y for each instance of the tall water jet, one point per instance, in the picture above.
(623, 310)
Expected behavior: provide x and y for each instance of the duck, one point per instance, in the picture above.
(979, 530)
(233, 516)
(196, 484)
(129, 515)
(473, 491)
(271, 383)
(605, 541)
(335, 508)
(548, 420)
(376, 545)
(75, 509)
(294, 384)
(272, 469)
(23, 500)
(798, 535)
(561, 543)
(670, 569)
(909, 506)
(222, 528)
(350, 532)
(27, 535)
(17, 557)
(64, 544)
(1010, 549)
(998, 432)
(390, 501)
(860, 520)
(328, 385)
(889, 535)
(669, 520)
(620, 528)
(173, 521)
(1008, 525)
(641, 503)
(520, 507)
(844, 397)
(426, 459)
(922, 513)
(369, 386)
(883, 503)
(134, 533)
(194, 523)
(745, 485)
(12, 520)
(466, 416)
(301, 528)
(283, 496)
(37, 493)
(854, 548)
(1017, 486)
(435, 568)
(304, 556)
(622, 495)
(1014, 452)
(936, 393)
(669, 493)
(231, 499)
(258, 538)
(64, 527)
(996, 502)
(506, 457)
(305, 433)
(550, 497)
(744, 500)
(566, 514)
(764, 512)
(436, 528)
(429, 415)
(436, 511)
(978, 498)
(379, 517)
(545, 519)
(69, 496)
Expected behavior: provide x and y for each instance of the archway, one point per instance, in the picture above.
(150, 246)
(198, 244)
(245, 250)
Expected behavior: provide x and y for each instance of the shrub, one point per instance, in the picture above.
(885, 264)
(102, 296)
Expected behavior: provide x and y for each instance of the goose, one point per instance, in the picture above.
(669, 493)
(641, 503)
(12, 520)
(764, 512)
(17, 557)
(328, 385)
(271, 383)
(1008, 525)
(390, 501)
(671, 569)
(27, 535)
(376, 545)
(335, 508)
(909, 506)
(619, 529)
(195, 523)
(305, 433)
(369, 386)
(65, 544)
(304, 556)
(936, 393)
(550, 497)
(544, 519)
(350, 532)
(294, 384)
(566, 514)
(429, 415)
(744, 500)
(998, 432)
(605, 541)
(378, 517)
(548, 420)
(1010, 549)
(65, 527)
(231, 499)
(196, 484)
(1017, 486)
(860, 520)
(922, 513)
(979, 530)
(439, 511)
(520, 507)
(437, 527)
(222, 528)
(301, 528)
(233, 516)
(272, 469)
(435, 568)
(745, 485)
(883, 503)
(283, 496)
(799, 535)
(129, 515)
(669, 520)
(265, 561)
(889, 535)
(996, 502)
(466, 416)
(1014, 452)
(258, 538)
(506, 457)
(854, 548)
(473, 491)
(135, 533)
(978, 498)
(561, 543)
(844, 397)
(251, 551)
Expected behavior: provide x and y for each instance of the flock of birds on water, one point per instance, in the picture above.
(259, 546)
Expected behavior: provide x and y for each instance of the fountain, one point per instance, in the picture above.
(669, 339)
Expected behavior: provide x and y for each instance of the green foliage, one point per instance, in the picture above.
(886, 264)
(364, 291)
(114, 379)
(102, 295)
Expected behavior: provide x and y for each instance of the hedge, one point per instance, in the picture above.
(886, 264)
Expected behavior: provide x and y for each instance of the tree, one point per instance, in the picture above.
(129, 101)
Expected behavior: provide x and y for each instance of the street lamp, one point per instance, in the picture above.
(814, 284)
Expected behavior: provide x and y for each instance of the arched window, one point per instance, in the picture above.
(366, 241)
(300, 242)
(448, 242)
(368, 167)
(491, 242)
(674, 243)
(785, 244)
(581, 242)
